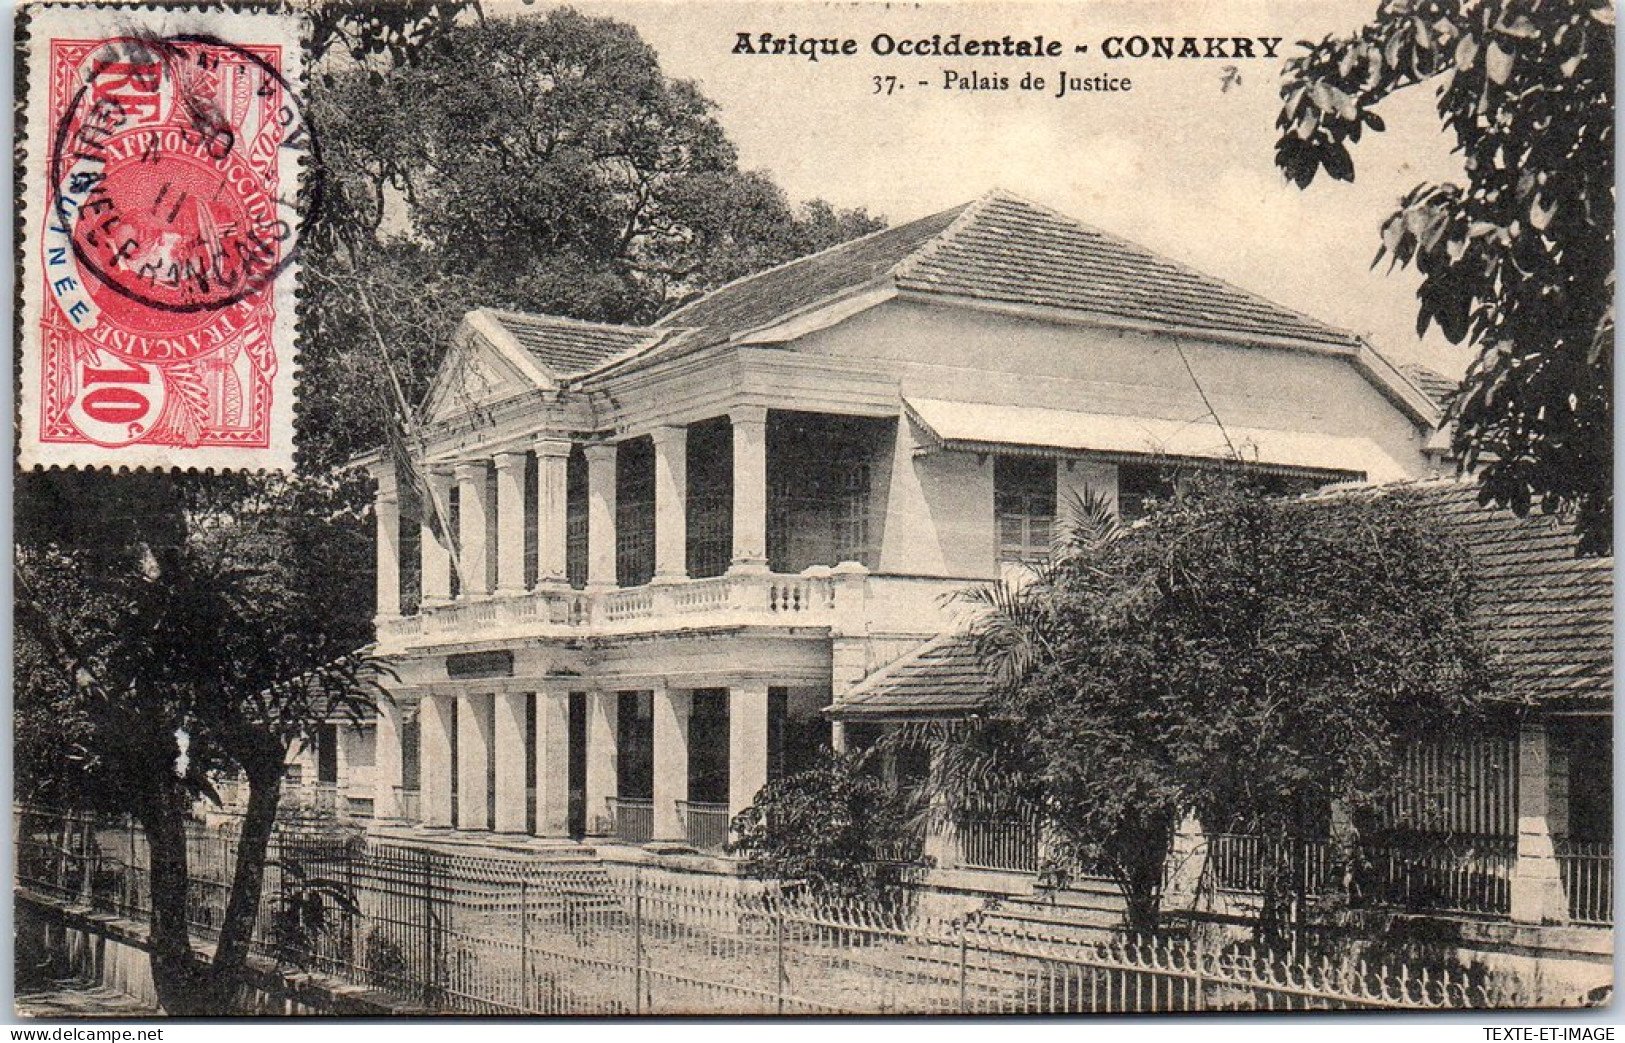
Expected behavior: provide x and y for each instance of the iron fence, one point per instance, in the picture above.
(1588, 880)
(704, 825)
(1465, 874)
(1243, 862)
(1008, 844)
(483, 935)
(631, 819)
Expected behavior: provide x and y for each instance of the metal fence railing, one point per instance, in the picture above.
(1588, 880)
(1463, 875)
(486, 935)
(705, 826)
(1241, 862)
(631, 819)
(1466, 874)
(1008, 844)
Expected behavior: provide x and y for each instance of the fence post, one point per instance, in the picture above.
(428, 929)
(963, 1008)
(1198, 978)
(131, 883)
(524, 942)
(637, 940)
(778, 930)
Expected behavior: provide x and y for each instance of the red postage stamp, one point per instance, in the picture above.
(168, 180)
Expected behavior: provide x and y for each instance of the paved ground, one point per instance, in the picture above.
(71, 1000)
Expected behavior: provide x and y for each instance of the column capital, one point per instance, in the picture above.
(739, 415)
(668, 434)
(552, 445)
(510, 458)
(388, 487)
(440, 472)
(599, 451)
(470, 470)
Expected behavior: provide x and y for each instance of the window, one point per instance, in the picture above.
(635, 512)
(818, 499)
(1140, 487)
(1024, 505)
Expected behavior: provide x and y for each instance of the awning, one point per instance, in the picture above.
(983, 428)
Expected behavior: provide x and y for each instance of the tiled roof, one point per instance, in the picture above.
(770, 295)
(1435, 385)
(940, 679)
(1011, 250)
(998, 248)
(567, 346)
(1547, 615)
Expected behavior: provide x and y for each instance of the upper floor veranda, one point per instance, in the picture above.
(839, 442)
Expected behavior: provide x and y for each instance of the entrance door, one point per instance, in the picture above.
(577, 770)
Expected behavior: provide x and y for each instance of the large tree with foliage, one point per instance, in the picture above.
(1244, 658)
(1517, 262)
(542, 164)
(229, 609)
(170, 629)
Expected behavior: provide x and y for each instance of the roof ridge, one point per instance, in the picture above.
(804, 258)
(967, 215)
(1071, 219)
(566, 320)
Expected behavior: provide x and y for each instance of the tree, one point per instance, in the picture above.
(540, 164)
(1245, 658)
(826, 831)
(1519, 261)
(211, 637)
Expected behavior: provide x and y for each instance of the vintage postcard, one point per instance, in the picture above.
(751, 509)
(164, 153)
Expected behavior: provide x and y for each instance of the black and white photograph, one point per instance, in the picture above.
(679, 508)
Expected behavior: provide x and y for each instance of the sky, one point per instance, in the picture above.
(1178, 164)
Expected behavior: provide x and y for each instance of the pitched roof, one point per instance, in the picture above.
(756, 300)
(1008, 249)
(1004, 249)
(941, 678)
(569, 346)
(1435, 385)
(1547, 615)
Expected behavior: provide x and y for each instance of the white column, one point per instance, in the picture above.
(553, 764)
(387, 511)
(473, 505)
(436, 555)
(672, 708)
(603, 722)
(1537, 880)
(552, 511)
(671, 504)
(434, 793)
(512, 779)
(386, 761)
(750, 489)
(600, 515)
(473, 761)
(511, 522)
(747, 743)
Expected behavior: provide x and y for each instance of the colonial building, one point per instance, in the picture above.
(649, 558)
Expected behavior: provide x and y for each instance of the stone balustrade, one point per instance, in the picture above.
(847, 600)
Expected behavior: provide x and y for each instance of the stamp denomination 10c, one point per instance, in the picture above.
(168, 175)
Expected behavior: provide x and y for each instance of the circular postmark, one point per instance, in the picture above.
(175, 177)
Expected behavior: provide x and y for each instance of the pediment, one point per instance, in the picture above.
(475, 375)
